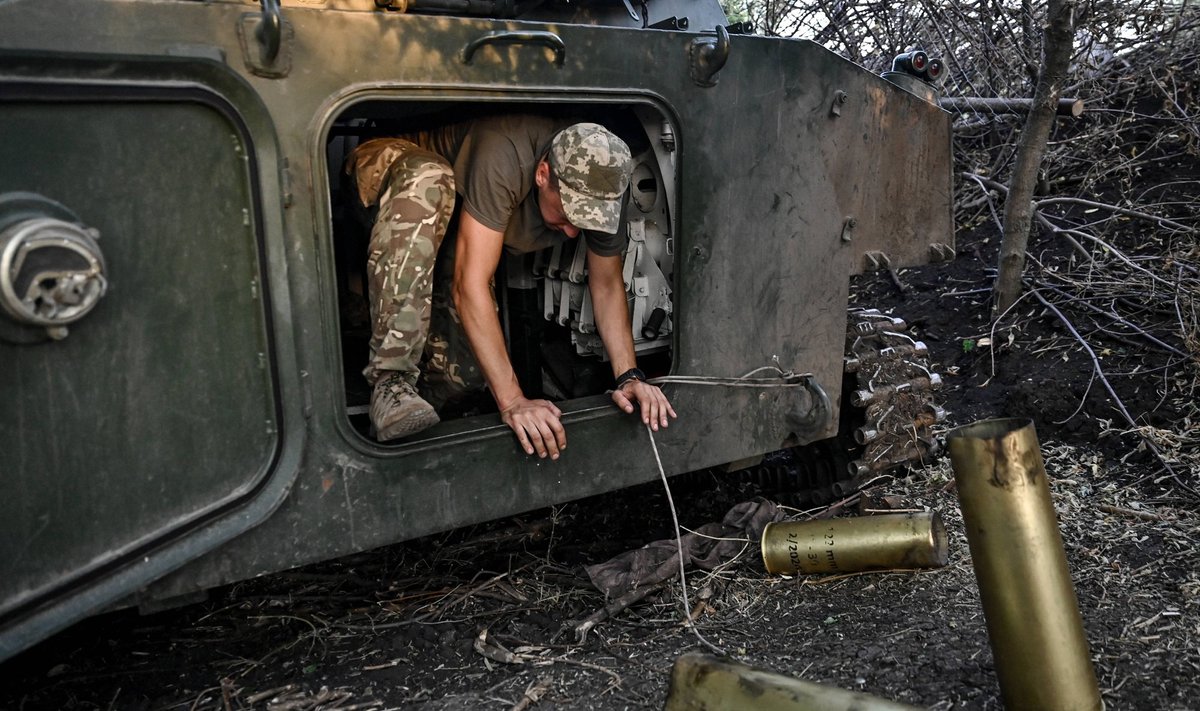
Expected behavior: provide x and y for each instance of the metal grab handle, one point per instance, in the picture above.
(270, 29)
(820, 411)
(707, 56)
(546, 39)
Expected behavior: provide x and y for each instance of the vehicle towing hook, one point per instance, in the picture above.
(707, 56)
(809, 424)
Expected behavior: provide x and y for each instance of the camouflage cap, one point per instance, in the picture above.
(593, 168)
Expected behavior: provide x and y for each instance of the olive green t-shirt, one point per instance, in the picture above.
(494, 159)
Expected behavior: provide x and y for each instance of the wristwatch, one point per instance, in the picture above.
(631, 374)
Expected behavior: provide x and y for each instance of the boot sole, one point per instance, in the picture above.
(409, 424)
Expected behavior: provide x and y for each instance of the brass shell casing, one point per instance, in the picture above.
(701, 682)
(844, 545)
(1033, 621)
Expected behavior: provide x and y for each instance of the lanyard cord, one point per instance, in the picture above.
(782, 379)
(687, 607)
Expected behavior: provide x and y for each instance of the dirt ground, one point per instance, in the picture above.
(483, 618)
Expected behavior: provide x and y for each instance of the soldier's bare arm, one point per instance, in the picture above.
(612, 320)
(536, 423)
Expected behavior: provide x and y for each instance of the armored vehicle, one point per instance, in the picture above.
(181, 274)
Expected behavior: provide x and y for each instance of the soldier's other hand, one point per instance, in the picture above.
(537, 425)
(655, 406)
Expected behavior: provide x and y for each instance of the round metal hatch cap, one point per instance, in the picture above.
(52, 272)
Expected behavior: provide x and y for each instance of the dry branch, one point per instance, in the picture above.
(1121, 511)
(1116, 399)
(984, 105)
(617, 606)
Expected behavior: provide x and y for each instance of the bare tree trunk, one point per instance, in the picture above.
(1028, 43)
(1018, 209)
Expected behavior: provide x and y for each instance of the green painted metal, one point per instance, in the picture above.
(199, 414)
(155, 430)
(160, 405)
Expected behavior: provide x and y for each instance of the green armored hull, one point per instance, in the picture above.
(180, 269)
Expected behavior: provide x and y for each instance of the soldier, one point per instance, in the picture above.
(526, 183)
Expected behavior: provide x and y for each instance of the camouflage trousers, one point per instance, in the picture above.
(415, 329)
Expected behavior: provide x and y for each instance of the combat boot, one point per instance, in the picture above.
(397, 411)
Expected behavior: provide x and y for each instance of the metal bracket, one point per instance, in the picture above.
(939, 252)
(706, 57)
(848, 226)
(839, 100)
(632, 13)
(876, 261)
(671, 23)
(266, 39)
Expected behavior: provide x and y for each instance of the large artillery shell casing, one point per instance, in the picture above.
(1033, 620)
(844, 545)
(700, 682)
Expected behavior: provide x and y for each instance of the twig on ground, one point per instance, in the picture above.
(1120, 511)
(202, 696)
(269, 693)
(495, 651)
(227, 692)
(533, 694)
(616, 607)
(387, 665)
(826, 579)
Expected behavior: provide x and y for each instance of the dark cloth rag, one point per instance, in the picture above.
(658, 561)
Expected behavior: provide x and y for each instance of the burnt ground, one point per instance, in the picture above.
(401, 627)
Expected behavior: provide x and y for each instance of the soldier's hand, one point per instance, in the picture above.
(537, 426)
(655, 406)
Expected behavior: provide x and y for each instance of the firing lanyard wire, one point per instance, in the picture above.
(687, 606)
(783, 379)
(789, 380)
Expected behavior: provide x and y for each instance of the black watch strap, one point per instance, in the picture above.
(631, 374)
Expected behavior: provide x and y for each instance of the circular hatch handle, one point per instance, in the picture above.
(546, 39)
(52, 272)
